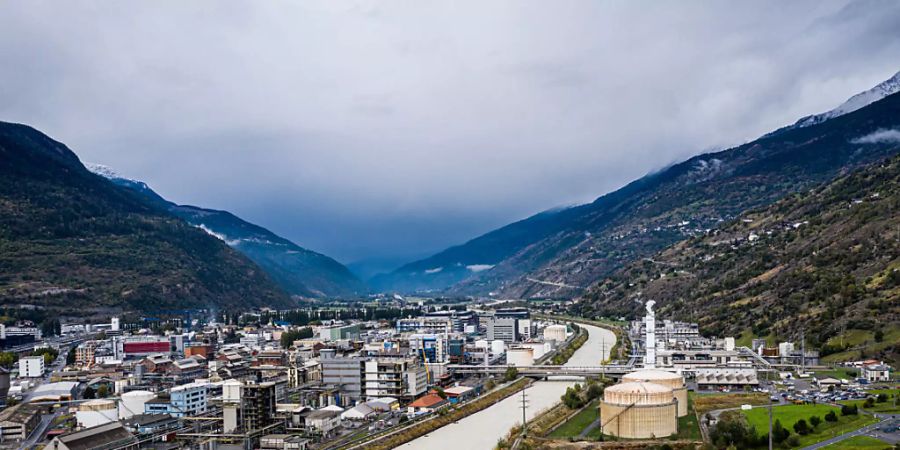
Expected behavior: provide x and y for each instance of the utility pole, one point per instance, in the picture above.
(524, 422)
(803, 350)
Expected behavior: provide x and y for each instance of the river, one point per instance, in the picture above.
(483, 429)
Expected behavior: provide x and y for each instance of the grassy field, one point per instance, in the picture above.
(860, 443)
(688, 427)
(574, 426)
(886, 407)
(789, 415)
(845, 373)
(705, 403)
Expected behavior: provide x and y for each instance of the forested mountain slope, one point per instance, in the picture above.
(72, 240)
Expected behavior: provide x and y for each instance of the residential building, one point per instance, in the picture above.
(426, 404)
(877, 372)
(31, 367)
(394, 377)
(431, 325)
(189, 399)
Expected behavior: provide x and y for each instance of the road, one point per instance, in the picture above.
(869, 430)
(38, 433)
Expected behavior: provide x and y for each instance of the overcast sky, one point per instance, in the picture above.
(394, 129)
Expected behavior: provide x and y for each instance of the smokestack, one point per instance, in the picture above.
(650, 339)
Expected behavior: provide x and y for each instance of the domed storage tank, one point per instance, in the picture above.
(668, 379)
(133, 403)
(497, 346)
(96, 412)
(638, 410)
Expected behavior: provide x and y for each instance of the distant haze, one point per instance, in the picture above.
(391, 130)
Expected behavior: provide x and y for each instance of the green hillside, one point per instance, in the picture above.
(826, 262)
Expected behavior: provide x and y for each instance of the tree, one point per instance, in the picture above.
(831, 417)
(870, 402)
(7, 359)
(815, 421)
(440, 392)
(849, 410)
(801, 427)
(102, 391)
(511, 374)
(779, 432)
(89, 393)
(732, 430)
(879, 335)
(882, 398)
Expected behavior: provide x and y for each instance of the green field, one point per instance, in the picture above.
(789, 415)
(842, 373)
(574, 426)
(860, 443)
(886, 407)
(688, 427)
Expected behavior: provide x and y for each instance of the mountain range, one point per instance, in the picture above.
(297, 270)
(822, 265)
(74, 242)
(563, 252)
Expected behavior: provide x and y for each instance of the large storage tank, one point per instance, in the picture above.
(482, 343)
(668, 379)
(133, 403)
(497, 347)
(96, 412)
(638, 410)
(555, 333)
(520, 356)
(539, 348)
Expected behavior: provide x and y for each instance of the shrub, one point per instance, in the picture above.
(849, 410)
(779, 432)
(831, 417)
(793, 441)
(801, 427)
(815, 421)
(882, 398)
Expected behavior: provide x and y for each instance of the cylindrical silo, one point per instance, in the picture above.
(96, 412)
(497, 346)
(133, 403)
(638, 410)
(668, 379)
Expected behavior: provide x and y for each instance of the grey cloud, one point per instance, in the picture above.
(393, 129)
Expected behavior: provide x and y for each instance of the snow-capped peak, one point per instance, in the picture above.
(104, 171)
(865, 98)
